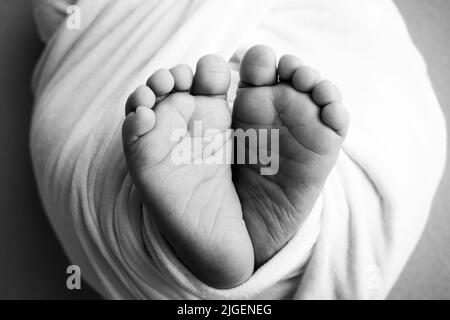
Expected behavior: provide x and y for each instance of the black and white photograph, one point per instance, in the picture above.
(233, 150)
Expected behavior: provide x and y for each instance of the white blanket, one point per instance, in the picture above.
(374, 206)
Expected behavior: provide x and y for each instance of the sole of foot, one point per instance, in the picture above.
(195, 206)
(312, 122)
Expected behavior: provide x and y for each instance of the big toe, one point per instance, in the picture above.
(259, 67)
(212, 76)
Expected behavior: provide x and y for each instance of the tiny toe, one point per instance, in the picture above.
(183, 77)
(305, 78)
(287, 66)
(259, 67)
(212, 76)
(325, 93)
(137, 124)
(336, 116)
(161, 82)
(142, 96)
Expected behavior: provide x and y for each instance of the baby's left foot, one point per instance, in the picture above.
(193, 203)
(312, 124)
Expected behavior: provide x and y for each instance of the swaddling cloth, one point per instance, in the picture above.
(375, 203)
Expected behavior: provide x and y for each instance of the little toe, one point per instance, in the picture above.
(183, 77)
(325, 93)
(287, 66)
(259, 67)
(305, 78)
(161, 82)
(212, 76)
(137, 124)
(142, 96)
(336, 116)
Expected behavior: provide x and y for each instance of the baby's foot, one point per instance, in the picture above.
(195, 205)
(312, 124)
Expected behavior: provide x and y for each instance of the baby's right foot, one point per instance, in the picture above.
(312, 124)
(194, 205)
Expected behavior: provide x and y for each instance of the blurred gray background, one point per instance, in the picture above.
(32, 263)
